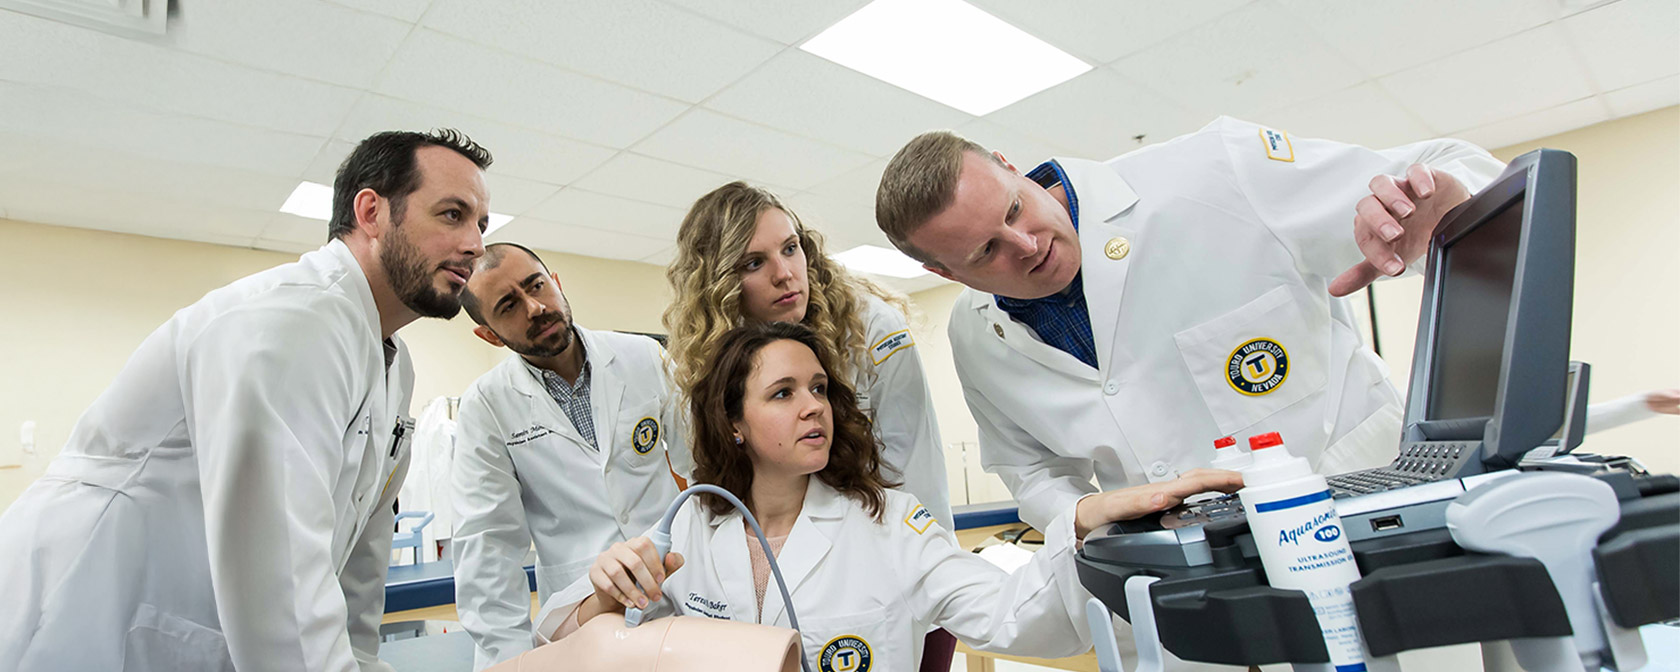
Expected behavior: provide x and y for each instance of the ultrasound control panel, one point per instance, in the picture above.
(1418, 463)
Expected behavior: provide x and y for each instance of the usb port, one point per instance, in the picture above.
(1386, 523)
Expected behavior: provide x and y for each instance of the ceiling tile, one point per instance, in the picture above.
(307, 38)
(1101, 31)
(1566, 117)
(520, 152)
(582, 240)
(75, 118)
(858, 184)
(814, 97)
(1645, 97)
(1518, 74)
(1362, 115)
(846, 222)
(1016, 146)
(638, 43)
(447, 72)
(50, 160)
(640, 178)
(1098, 114)
(403, 10)
(30, 198)
(661, 258)
(738, 148)
(133, 73)
(1381, 37)
(785, 21)
(1628, 42)
(291, 233)
(610, 213)
(514, 196)
(324, 167)
(1255, 58)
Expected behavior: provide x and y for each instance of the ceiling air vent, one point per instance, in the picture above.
(128, 18)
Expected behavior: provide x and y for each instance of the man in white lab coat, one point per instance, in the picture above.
(564, 443)
(226, 503)
(1122, 315)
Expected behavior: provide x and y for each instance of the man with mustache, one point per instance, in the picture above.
(564, 443)
(226, 502)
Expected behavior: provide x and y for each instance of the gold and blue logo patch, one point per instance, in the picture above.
(1257, 367)
(846, 653)
(645, 435)
(919, 519)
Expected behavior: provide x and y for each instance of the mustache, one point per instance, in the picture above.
(542, 322)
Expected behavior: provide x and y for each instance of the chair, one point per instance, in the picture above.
(415, 537)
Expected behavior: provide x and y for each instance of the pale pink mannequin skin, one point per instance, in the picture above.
(675, 644)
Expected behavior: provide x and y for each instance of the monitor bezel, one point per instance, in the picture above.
(1529, 398)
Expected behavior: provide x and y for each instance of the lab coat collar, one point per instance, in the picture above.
(1103, 194)
(519, 371)
(349, 272)
(807, 544)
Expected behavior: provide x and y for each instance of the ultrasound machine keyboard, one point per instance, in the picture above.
(1418, 463)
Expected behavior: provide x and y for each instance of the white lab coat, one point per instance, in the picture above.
(892, 390)
(523, 472)
(427, 487)
(1227, 244)
(227, 501)
(885, 583)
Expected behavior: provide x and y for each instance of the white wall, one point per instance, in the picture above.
(82, 300)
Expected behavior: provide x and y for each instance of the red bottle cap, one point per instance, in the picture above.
(1226, 442)
(1266, 440)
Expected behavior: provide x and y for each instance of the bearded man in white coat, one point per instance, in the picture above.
(568, 443)
(227, 502)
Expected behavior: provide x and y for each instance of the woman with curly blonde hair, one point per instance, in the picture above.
(742, 255)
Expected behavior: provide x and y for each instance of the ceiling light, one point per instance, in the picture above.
(315, 202)
(309, 200)
(947, 50)
(880, 261)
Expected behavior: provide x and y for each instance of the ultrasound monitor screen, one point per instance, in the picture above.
(1474, 307)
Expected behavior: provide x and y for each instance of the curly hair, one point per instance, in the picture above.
(706, 283)
(716, 404)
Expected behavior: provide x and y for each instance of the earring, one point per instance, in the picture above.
(739, 441)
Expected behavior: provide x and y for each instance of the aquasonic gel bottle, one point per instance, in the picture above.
(1301, 543)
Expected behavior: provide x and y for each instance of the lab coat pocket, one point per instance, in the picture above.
(1258, 359)
(641, 428)
(160, 641)
(868, 640)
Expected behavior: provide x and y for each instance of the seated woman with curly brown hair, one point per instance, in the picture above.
(867, 570)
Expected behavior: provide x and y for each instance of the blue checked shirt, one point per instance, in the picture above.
(573, 399)
(1061, 320)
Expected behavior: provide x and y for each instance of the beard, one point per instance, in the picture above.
(411, 277)
(556, 344)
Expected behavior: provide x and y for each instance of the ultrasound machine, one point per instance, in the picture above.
(1486, 526)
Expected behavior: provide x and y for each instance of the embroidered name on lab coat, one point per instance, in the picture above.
(524, 436)
(892, 343)
(708, 608)
(919, 519)
(1278, 147)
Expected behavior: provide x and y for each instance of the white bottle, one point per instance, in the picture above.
(1301, 543)
(1226, 455)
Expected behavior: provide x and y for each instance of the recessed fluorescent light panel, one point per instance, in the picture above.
(315, 202)
(947, 50)
(880, 261)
